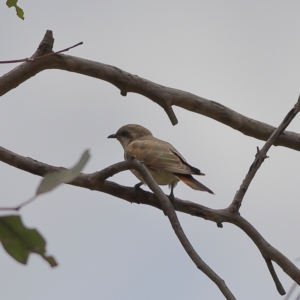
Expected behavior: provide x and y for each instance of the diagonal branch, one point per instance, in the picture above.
(97, 181)
(171, 214)
(278, 284)
(261, 155)
(164, 96)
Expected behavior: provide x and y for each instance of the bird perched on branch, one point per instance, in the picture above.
(166, 165)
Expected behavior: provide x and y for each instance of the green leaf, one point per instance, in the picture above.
(19, 10)
(20, 241)
(52, 180)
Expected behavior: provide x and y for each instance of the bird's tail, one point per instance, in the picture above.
(193, 183)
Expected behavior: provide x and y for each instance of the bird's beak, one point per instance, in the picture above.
(112, 136)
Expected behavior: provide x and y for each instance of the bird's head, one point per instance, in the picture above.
(128, 133)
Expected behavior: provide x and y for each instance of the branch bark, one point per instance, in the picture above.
(164, 96)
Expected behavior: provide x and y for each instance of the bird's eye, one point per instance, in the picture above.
(124, 132)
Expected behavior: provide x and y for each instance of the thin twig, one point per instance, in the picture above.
(18, 207)
(278, 284)
(38, 57)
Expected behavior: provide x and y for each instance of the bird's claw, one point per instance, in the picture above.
(136, 188)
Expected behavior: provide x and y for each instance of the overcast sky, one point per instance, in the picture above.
(242, 55)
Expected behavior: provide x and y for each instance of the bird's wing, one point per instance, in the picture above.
(161, 155)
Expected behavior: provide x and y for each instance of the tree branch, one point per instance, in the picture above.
(170, 212)
(27, 163)
(260, 156)
(97, 181)
(278, 284)
(164, 96)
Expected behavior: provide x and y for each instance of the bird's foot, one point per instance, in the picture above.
(136, 188)
(171, 196)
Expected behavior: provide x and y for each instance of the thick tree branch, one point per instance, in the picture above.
(163, 96)
(96, 181)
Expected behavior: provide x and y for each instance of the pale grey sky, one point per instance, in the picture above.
(244, 55)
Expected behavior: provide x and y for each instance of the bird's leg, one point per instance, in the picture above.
(137, 187)
(171, 196)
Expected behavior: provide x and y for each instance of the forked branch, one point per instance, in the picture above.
(168, 209)
(97, 181)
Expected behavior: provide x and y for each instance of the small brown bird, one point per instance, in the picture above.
(164, 162)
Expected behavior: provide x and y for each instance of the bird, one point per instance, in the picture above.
(166, 165)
